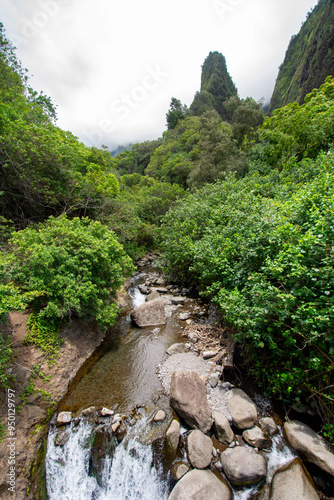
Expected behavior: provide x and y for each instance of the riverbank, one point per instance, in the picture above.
(38, 388)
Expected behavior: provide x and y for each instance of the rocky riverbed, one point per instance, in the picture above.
(208, 437)
(211, 437)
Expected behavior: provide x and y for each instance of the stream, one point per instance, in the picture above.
(124, 378)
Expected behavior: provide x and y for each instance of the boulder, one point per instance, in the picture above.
(201, 485)
(173, 435)
(199, 449)
(223, 430)
(292, 482)
(310, 446)
(104, 446)
(188, 398)
(268, 426)
(64, 418)
(242, 409)
(149, 314)
(242, 466)
(177, 348)
(256, 438)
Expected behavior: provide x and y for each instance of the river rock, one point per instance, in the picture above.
(201, 485)
(105, 412)
(173, 435)
(88, 411)
(268, 426)
(184, 316)
(209, 354)
(64, 418)
(162, 289)
(159, 416)
(292, 482)
(242, 466)
(143, 289)
(153, 296)
(177, 348)
(242, 409)
(104, 446)
(178, 470)
(61, 438)
(149, 314)
(256, 438)
(223, 429)
(188, 398)
(199, 449)
(178, 301)
(309, 445)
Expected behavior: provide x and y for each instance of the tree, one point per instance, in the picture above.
(177, 111)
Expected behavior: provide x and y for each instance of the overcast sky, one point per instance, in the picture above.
(112, 66)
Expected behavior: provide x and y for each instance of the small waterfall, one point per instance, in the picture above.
(129, 475)
(278, 456)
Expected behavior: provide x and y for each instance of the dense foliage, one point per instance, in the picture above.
(262, 248)
(70, 267)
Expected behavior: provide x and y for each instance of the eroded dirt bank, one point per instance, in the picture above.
(39, 386)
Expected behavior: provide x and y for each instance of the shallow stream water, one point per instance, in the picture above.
(123, 376)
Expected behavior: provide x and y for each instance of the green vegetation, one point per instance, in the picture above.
(241, 206)
(261, 247)
(309, 58)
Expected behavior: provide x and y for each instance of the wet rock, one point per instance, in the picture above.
(64, 418)
(149, 314)
(143, 289)
(177, 349)
(256, 438)
(268, 426)
(223, 430)
(105, 412)
(242, 466)
(115, 426)
(120, 433)
(173, 435)
(88, 411)
(309, 445)
(184, 316)
(61, 438)
(188, 398)
(242, 409)
(292, 482)
(200, 485)
(178, 470)
(199, 449)
(104, 446)
(159, 416)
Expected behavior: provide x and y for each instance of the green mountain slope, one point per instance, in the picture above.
(309, 58)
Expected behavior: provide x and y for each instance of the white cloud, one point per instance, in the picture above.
(96, 61)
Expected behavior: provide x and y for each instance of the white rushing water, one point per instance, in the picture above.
(130, 475)
(278, 456)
